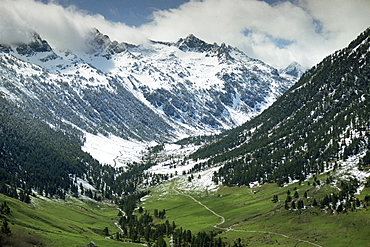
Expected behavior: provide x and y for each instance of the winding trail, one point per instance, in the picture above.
(217, 226)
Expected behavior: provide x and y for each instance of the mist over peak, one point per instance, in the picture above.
(277, 33)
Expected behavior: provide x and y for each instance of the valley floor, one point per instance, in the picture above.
(250, 216)
(217, 226)
(55, 223)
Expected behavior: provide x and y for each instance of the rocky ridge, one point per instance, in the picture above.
(159, 91)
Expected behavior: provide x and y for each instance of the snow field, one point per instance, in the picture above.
(349, 169)
(201, 182)
(113, 150)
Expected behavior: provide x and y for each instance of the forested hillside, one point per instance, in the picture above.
(323, 118)
(34, 157)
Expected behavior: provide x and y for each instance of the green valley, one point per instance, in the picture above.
(47, 222)
(249, 216)
(92, 155)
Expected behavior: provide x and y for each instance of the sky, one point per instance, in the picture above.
(277, 32)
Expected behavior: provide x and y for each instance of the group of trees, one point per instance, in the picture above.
(342, 198)
(138, 225)
(294, 202)
(142, 229)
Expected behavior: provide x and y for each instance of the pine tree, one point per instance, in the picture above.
(155, 213)
(106, 231)
(161, 242)
(5, 227)
(275, 199)
(340, 208)
(288, 198)
(300, 204)
(296, 195)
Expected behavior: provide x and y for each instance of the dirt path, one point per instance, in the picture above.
(217, 226)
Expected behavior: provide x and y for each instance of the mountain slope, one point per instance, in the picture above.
(35, 157)
(159, 91)
(323, 118)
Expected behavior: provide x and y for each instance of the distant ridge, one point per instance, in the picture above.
(158, 92)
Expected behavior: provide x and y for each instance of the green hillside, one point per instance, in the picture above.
(47, 222)
(251, 214)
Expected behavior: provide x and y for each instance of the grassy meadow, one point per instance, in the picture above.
(251, 215)
(61, 223)
(244, 214)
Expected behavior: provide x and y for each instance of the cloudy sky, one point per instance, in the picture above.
(275, 31)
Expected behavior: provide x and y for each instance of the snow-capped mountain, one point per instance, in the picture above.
(157, 91)
(294, 69)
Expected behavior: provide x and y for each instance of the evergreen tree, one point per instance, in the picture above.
(288, 198)
(106, 231)
(300, 204)
(296, 195)
(161, 242)
(5, 227)
(314, 203)
(286, 206)
(275, 199)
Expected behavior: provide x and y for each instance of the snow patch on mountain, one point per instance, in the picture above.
(170, 160)
(349, 169)
(113, 150)
(199, 182)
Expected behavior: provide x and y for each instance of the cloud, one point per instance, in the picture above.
(302, 30)
(292, 30)
(64, 28)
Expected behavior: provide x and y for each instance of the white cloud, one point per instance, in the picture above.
(311, 29)
(296, 30)
(65, 28)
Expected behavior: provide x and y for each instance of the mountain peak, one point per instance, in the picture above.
(100, 43)
(192, 38)
(294, 69)
(192, 43)
(36, 45)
